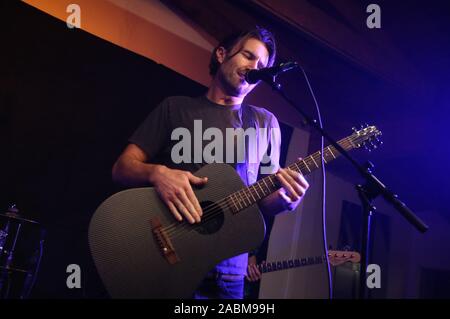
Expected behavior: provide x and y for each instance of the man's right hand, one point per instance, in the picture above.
(253, 273)
(174, 188)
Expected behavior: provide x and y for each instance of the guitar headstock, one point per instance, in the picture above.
(337, 257)
(367, 136)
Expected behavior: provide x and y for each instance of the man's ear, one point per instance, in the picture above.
(221, 54)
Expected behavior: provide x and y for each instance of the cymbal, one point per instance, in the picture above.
(17, 217)
(9, 269)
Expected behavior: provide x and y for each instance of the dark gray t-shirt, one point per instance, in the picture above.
(178, 131)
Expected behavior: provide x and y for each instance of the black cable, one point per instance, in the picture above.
(324, 231)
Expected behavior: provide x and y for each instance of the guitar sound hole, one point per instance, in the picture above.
(212, 219)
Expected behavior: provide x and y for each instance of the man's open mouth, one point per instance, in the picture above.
(241, 75)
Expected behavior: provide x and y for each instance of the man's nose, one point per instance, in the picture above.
(253, 65)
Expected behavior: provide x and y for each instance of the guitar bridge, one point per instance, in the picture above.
(163, 241)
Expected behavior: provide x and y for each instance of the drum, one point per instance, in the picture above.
(21, 249)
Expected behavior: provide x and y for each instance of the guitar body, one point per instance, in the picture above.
(129, 258)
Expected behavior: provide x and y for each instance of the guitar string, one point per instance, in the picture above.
(217, 207)
(189, 228)
(224, 204)
(211, 211)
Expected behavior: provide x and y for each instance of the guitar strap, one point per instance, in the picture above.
(249, 120)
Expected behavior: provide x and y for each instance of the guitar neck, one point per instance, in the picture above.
(291, 263)
(249, 195)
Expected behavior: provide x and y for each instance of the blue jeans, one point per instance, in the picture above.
(218, 288)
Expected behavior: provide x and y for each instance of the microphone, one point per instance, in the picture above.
(254, 76)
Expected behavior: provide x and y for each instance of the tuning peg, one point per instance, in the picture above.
(379, 142)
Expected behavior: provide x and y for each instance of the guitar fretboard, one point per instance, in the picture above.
(292, 263)
(248, 196)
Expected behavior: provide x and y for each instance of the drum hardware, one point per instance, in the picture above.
(21, 249)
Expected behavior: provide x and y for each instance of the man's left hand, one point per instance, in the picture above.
(294, 187)
(253, 273)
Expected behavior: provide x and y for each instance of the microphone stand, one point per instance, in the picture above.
(372, 188)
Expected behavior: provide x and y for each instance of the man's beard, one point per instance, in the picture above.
(232, 89)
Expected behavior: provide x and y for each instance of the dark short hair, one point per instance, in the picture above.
(259, 33)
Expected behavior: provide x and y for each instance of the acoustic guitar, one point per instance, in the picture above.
(141, 251)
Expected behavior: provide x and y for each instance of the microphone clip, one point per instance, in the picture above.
(268, 75)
